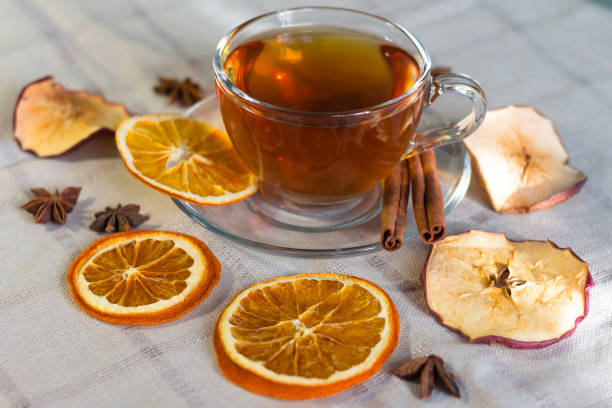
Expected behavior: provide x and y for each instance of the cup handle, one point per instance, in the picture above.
(453, 132)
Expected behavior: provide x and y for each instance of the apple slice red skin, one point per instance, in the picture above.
(556, 198)
(508, 342)
(549, 202)
(99, 132)
(553, 200)
(103, 132)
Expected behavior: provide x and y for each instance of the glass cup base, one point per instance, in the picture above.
(289, 213)
(246, 223)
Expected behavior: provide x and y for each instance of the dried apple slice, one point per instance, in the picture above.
(521, 162)
(50, 120)
(527, 294)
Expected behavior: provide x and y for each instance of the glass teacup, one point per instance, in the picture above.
(320, 168)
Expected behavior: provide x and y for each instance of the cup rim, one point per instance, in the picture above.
(224, 80)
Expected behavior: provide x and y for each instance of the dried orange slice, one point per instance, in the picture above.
(184, 158)
(306, 336)
(143, 277)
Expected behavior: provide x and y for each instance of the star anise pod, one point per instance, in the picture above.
(429, 371)
(186, 92)
(122, 218)
(439, 70)
(52, 207)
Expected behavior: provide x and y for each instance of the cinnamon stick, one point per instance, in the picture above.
(427, 199)
(396, 189)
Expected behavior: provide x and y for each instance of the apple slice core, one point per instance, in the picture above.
(526, 294)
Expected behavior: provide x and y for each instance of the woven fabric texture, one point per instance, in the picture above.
(554, 55)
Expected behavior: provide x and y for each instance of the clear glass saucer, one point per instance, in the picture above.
(241, 223)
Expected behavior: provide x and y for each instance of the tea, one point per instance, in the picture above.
(320, 70)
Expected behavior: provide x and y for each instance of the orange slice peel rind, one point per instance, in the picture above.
(184, 158)
(313, 335)
(143, 277)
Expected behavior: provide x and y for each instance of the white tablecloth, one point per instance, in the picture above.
(554, 55)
